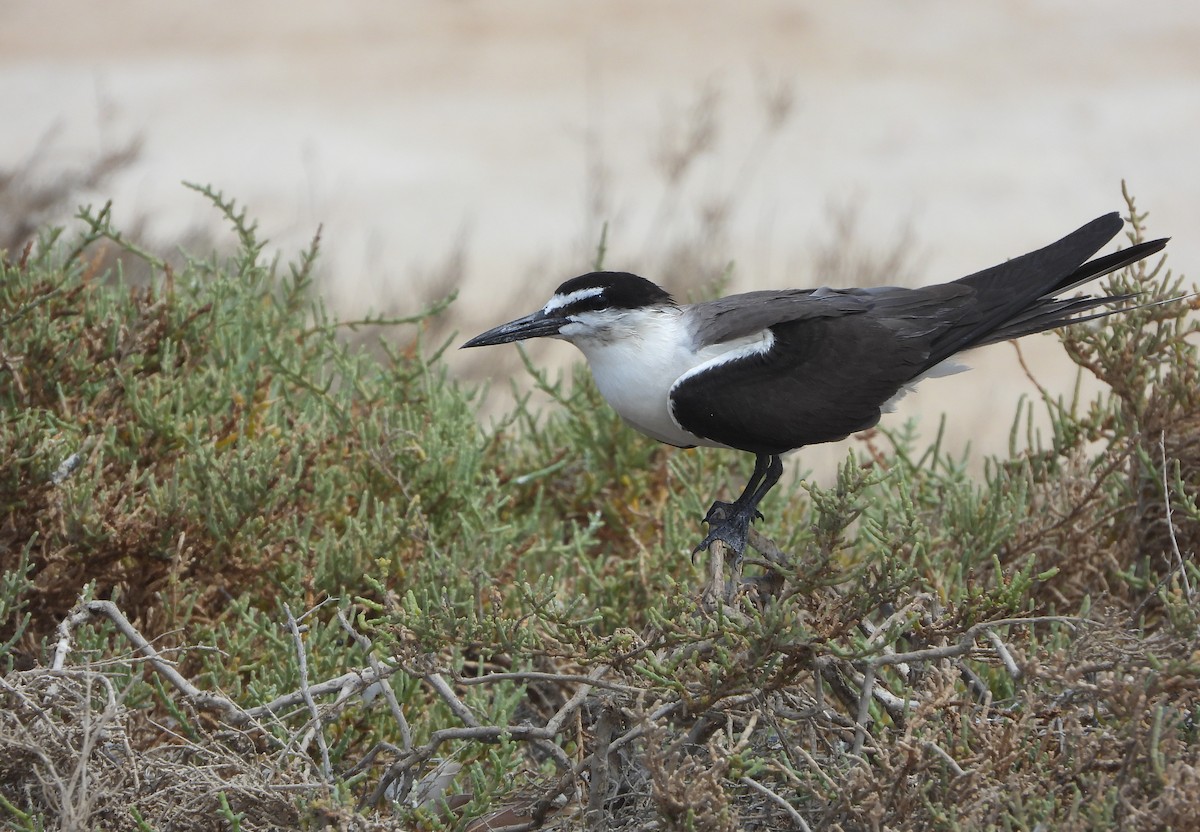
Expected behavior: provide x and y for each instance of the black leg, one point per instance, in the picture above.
(730, 522)
(773, 473)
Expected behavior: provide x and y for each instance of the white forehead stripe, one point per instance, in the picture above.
(559, 301)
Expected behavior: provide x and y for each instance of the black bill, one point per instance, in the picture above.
(536, 325)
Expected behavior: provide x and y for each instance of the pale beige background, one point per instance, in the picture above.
(979, 130)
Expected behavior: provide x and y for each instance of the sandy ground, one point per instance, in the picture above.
(975, 130)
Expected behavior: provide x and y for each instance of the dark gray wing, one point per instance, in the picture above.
(839, 355)
(823, 379)
(737, 316)
(1005, 300)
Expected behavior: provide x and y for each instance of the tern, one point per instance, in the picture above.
(768, 372)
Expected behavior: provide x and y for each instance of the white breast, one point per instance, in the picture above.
(636, 356)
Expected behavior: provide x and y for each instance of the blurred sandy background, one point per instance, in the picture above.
(490, 142)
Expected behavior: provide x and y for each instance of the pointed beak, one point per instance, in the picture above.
(535, 325)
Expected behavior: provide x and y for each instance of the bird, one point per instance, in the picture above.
(769, 372)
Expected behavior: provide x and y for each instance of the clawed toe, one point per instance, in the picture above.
(721, 512)
(729, 523)
(733, 535)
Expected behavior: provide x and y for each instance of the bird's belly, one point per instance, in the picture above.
(644, 406)
(639, 390)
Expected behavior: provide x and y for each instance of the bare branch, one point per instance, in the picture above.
(564, 713)
(317, 724)
(107, 609)
(864, 711)
(598, 787)
(966, 642)
(1010, 664)
(435, 681)
(389, 695)
(1183, 578)
(796, 817)
(542, 676)
(945, 755)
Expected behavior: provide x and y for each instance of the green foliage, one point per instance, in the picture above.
(924, 649)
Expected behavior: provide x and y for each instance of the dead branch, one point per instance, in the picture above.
(389, 695)
(316, 724)
(966, 642)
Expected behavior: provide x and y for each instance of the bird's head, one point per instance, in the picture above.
(590, 307)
